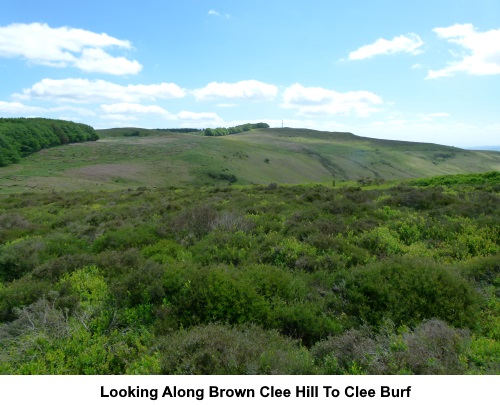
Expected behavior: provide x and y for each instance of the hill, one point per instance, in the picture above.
(134, 157)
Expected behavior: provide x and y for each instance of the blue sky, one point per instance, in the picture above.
(420, 71)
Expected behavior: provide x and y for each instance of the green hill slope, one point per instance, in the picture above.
(123, 159)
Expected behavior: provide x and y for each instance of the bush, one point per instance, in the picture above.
(420, 199)
(125, 237)
(409, 290)
(53, 269)
(223, 247)
(306, 321)
(434, 348)
(202, 295)
(20, 293)
(219, 349)
(20, 257)
(482, 270)
(194, 223)
(139, 285)
(431, 348)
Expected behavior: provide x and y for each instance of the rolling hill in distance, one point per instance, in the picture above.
(134, 157)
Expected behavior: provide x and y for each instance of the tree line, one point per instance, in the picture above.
(221, 131)
(20, 137)
(179, 130)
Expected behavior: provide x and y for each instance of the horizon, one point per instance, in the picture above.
(421, 72)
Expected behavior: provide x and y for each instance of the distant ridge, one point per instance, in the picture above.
(126, 158)
(495, 148)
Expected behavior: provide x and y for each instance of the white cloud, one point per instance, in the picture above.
(227, 105)
(19, 109)
(194, 116)
(98, 61)
(119, 118)
(433, 116)
(481, 51)
(132, 108)
(409, 43)
(217, 14)
(65, 46)
(16, 108)
(85, 112)
(439, 114)
(95, 91)
(120, 112)
(320, 101)
(245, 89)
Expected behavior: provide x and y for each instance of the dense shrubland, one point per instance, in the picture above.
(20, 137)
(402, 278)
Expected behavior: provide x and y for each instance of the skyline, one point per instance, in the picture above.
(426, 72)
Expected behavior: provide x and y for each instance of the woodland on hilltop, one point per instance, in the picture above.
(20, 137)
(221, 131)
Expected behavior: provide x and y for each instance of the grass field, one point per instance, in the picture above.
(285, 156)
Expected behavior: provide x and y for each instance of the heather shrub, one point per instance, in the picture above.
(167, 251)
(482, 270)
(432, 347)
(290, 252)
(44, 340)
(339, 354)
(222, 247)
(273, 282)
(220, 349)
(19, 293)
(142, 284)
(13, 226)
(114, 263)
(306, 321)
(229, 221)
(128, 236)
(14, 220)
(207, 294)
(420, 198)
(20, 257)
(194, 223)
(409, 290)
(53, 269)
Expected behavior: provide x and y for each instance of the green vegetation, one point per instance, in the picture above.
(234, 130)
(180, 130)
(133, 157)
(360, 278)
(20, 137)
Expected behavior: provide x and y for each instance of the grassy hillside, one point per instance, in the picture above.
(297, 279)
(284, 156)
